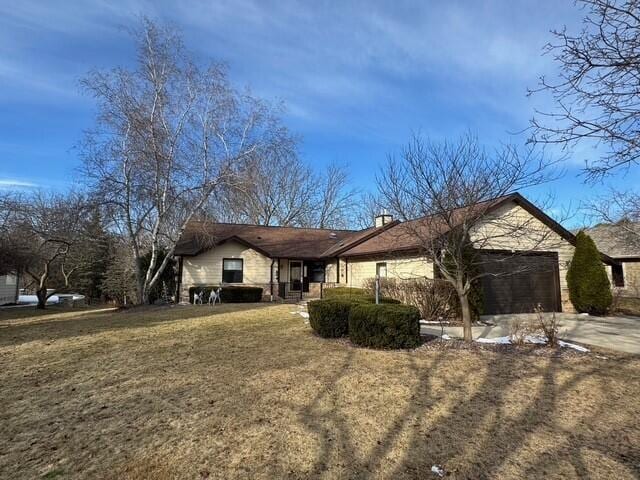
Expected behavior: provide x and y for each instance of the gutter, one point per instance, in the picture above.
(273, 262)
(179, 282)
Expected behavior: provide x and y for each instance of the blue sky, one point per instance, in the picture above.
(357, 77)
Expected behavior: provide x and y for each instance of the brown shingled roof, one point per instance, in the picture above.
(314, 243)
(402, 236)
(617, 240)
(291, 242)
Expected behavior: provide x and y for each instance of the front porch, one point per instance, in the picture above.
(300, 279)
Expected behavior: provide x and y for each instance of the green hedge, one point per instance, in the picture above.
(383, 300)
(353, 293)
(384, 326)
(229, 294)
(340, 292)
(330, 318)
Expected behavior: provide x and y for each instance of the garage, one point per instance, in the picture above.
(517, 282)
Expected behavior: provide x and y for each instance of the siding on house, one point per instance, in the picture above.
(206, 268)
(403, 268)
(8, 289)
(498, 233)
(631, 271)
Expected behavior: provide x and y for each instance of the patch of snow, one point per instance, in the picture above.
(438, 470)
(304, 314)
(583, 314)
(498, 340)
(579, 348)
(433, 322)
(33, 299)
(539, 339)
(446, 337)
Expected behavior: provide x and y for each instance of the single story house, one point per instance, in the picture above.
(8, 289)
(621, 242)
(291, 262)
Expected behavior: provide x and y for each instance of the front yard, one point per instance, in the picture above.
(247, 391)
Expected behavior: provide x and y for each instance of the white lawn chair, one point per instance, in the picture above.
(214, 296)
(197, 298)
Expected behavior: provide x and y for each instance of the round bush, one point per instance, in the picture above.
(330, 318)
(384, 326)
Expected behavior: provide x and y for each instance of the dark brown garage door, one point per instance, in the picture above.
(520, 282)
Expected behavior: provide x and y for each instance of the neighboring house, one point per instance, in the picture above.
(296, 262)
(620, 241)
(8, 289)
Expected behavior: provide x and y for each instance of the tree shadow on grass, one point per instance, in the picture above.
(482, 435)
(51, 328)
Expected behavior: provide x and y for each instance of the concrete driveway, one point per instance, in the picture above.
(617, 333)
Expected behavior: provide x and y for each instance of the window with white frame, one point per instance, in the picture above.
(232, 270)
(381, 269)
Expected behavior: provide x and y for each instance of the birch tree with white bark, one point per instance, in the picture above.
(169, 133)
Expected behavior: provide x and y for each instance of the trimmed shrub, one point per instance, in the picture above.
(229, 294)
(589, 287)
(241, 294)
(382, 300)
(340, 292)
(353, 293)
(384, 326)
(436, 299)
(330, 318)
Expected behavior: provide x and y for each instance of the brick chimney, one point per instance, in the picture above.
(382, 219)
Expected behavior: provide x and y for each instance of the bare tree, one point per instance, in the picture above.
(13, 255)
(168, 135)
(597, 94)
(620, 208)
(446, 193)
(365, 209)
(46, 229)
(334, 199)
(278, 188)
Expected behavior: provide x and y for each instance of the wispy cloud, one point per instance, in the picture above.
(9, 183)
(358, 76)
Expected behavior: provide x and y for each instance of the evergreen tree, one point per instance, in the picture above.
(589, 286)
(119, 283)
(95, 250)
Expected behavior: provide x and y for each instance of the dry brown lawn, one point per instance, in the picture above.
(247, 391)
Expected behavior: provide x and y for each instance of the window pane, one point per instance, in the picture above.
(232, 264)
(232, 270)
(381, 269)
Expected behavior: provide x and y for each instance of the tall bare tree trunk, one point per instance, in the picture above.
(466, 316)
(41, 293)
(140, 277)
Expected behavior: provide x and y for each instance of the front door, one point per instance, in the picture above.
(295, 275)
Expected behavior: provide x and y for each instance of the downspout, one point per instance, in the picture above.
(17, 296)
(179, 282)
(273, 262)
(337, 270)
(346, 271)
